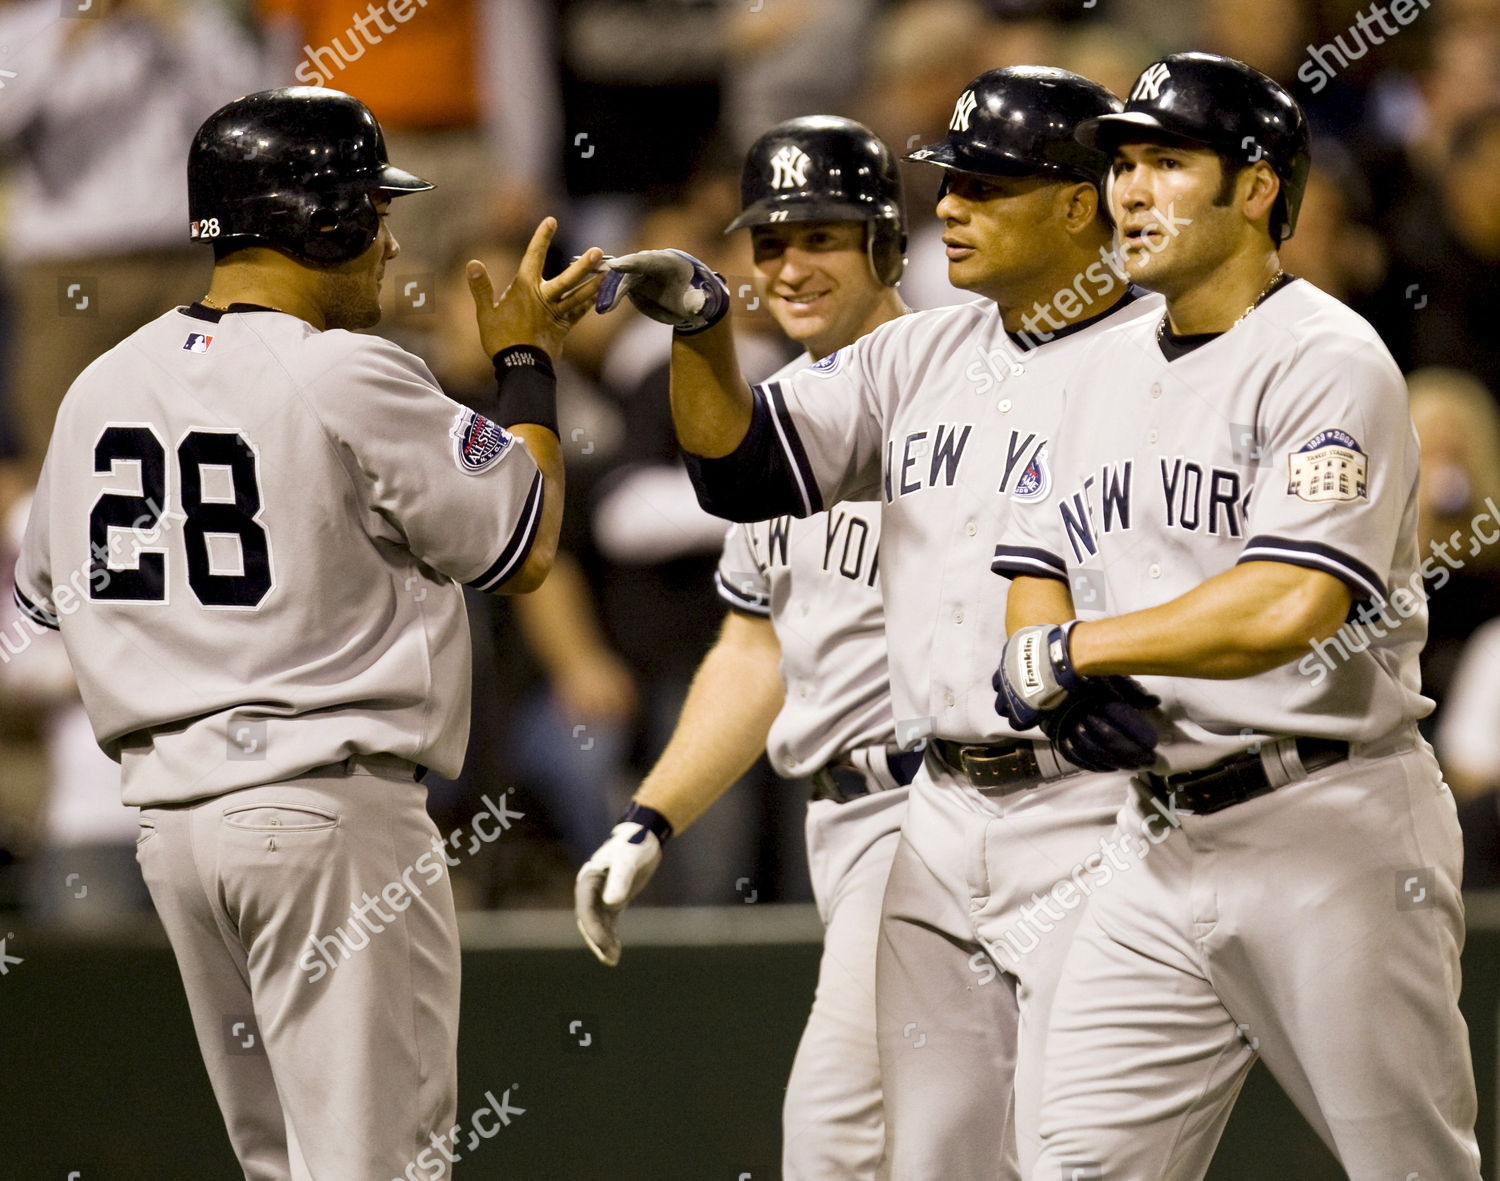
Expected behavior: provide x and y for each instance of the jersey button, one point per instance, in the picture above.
(1154, 570)
(1153, 436)
(948, 698)
(971, 529)
(1004, 406)
(958, 617)
(1156, 389)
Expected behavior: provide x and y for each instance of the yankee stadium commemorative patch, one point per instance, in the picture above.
(1330, 466)
(1036, 480)
(478, 443)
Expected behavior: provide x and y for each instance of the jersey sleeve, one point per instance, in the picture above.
(739, 579)
(462, 491)
(33, 588)
(1339, 457)
(814, 440)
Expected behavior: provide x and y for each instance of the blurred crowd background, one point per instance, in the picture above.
(626, 120)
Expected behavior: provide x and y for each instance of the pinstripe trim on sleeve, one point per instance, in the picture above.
(514, 555)
(37, 614)
(1021, 561)
(791, 446)
(749, 603)
(1364, 582)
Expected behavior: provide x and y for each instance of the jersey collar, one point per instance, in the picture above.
(200, 311)
(1026, 341)
(1174, 346)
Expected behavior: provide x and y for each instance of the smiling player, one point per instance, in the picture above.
(1236, 479)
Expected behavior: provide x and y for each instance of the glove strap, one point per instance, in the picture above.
(716, 293)
(1060, 652)
(649, 819)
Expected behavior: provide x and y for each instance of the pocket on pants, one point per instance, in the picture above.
(146, 831)
(288, 818)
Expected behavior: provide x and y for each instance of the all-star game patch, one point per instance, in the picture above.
(478, 443)
(1036, 481)
(1331, 466)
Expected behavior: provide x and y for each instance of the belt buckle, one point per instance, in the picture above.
(989, 771)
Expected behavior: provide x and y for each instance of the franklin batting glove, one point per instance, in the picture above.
(1102, 726)
(615, 874)
(1036, 674)
(670, 286)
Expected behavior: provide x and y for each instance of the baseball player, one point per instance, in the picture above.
(800, 668)
(945, 417)
(250, 530)
(1235, 484)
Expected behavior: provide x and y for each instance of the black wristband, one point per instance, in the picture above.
(648, 818)
(528, 387)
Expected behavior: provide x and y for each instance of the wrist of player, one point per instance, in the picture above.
(1036, 673)
(527, 387)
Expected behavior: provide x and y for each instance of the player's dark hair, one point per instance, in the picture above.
(1230, 167)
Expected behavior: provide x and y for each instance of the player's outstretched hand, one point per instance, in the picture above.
(615, 874)
(1103, 725)
(670, 286)
(1036, 674)
(533, 310)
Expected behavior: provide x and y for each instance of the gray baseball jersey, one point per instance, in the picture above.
(251, 534)
(817, 579)
(944, 418)
(1286, 440)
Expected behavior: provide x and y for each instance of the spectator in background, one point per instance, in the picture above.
(642, 95)
(1335, 248)
(1445, 280)
(924, 52)
(789, 57)
(96, 123)
(1458, 426)
(466, 90)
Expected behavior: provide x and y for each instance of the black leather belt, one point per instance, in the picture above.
(841, 782)
(988, 765)
(1236, 779)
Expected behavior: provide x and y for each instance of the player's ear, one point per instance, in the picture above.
(1080, 205)
(1260, 186)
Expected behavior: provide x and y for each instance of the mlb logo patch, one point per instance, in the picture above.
(197, 343)
(478, 443)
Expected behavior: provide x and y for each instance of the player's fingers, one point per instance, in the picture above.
(536, 250)
(617, 886)
(583, 269)
(575, 304)
(480, 286)
(612, 287)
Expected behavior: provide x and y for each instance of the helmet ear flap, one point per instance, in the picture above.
(885, 244)
(340, 228)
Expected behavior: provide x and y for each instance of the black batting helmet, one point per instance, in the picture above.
(299, 169)
(1020, 121)
(1223, 104)
(823, 168)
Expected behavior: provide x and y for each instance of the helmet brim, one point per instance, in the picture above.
(947, 155)
(398, 180)
(772, 212)
(1107, 132)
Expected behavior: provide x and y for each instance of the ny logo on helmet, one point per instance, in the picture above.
(1148, 85)
(790, 166)
(962, 110)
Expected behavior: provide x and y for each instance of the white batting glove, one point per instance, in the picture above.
(614, 875)
(670, 286)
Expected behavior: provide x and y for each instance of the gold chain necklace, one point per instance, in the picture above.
(1161, 327)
